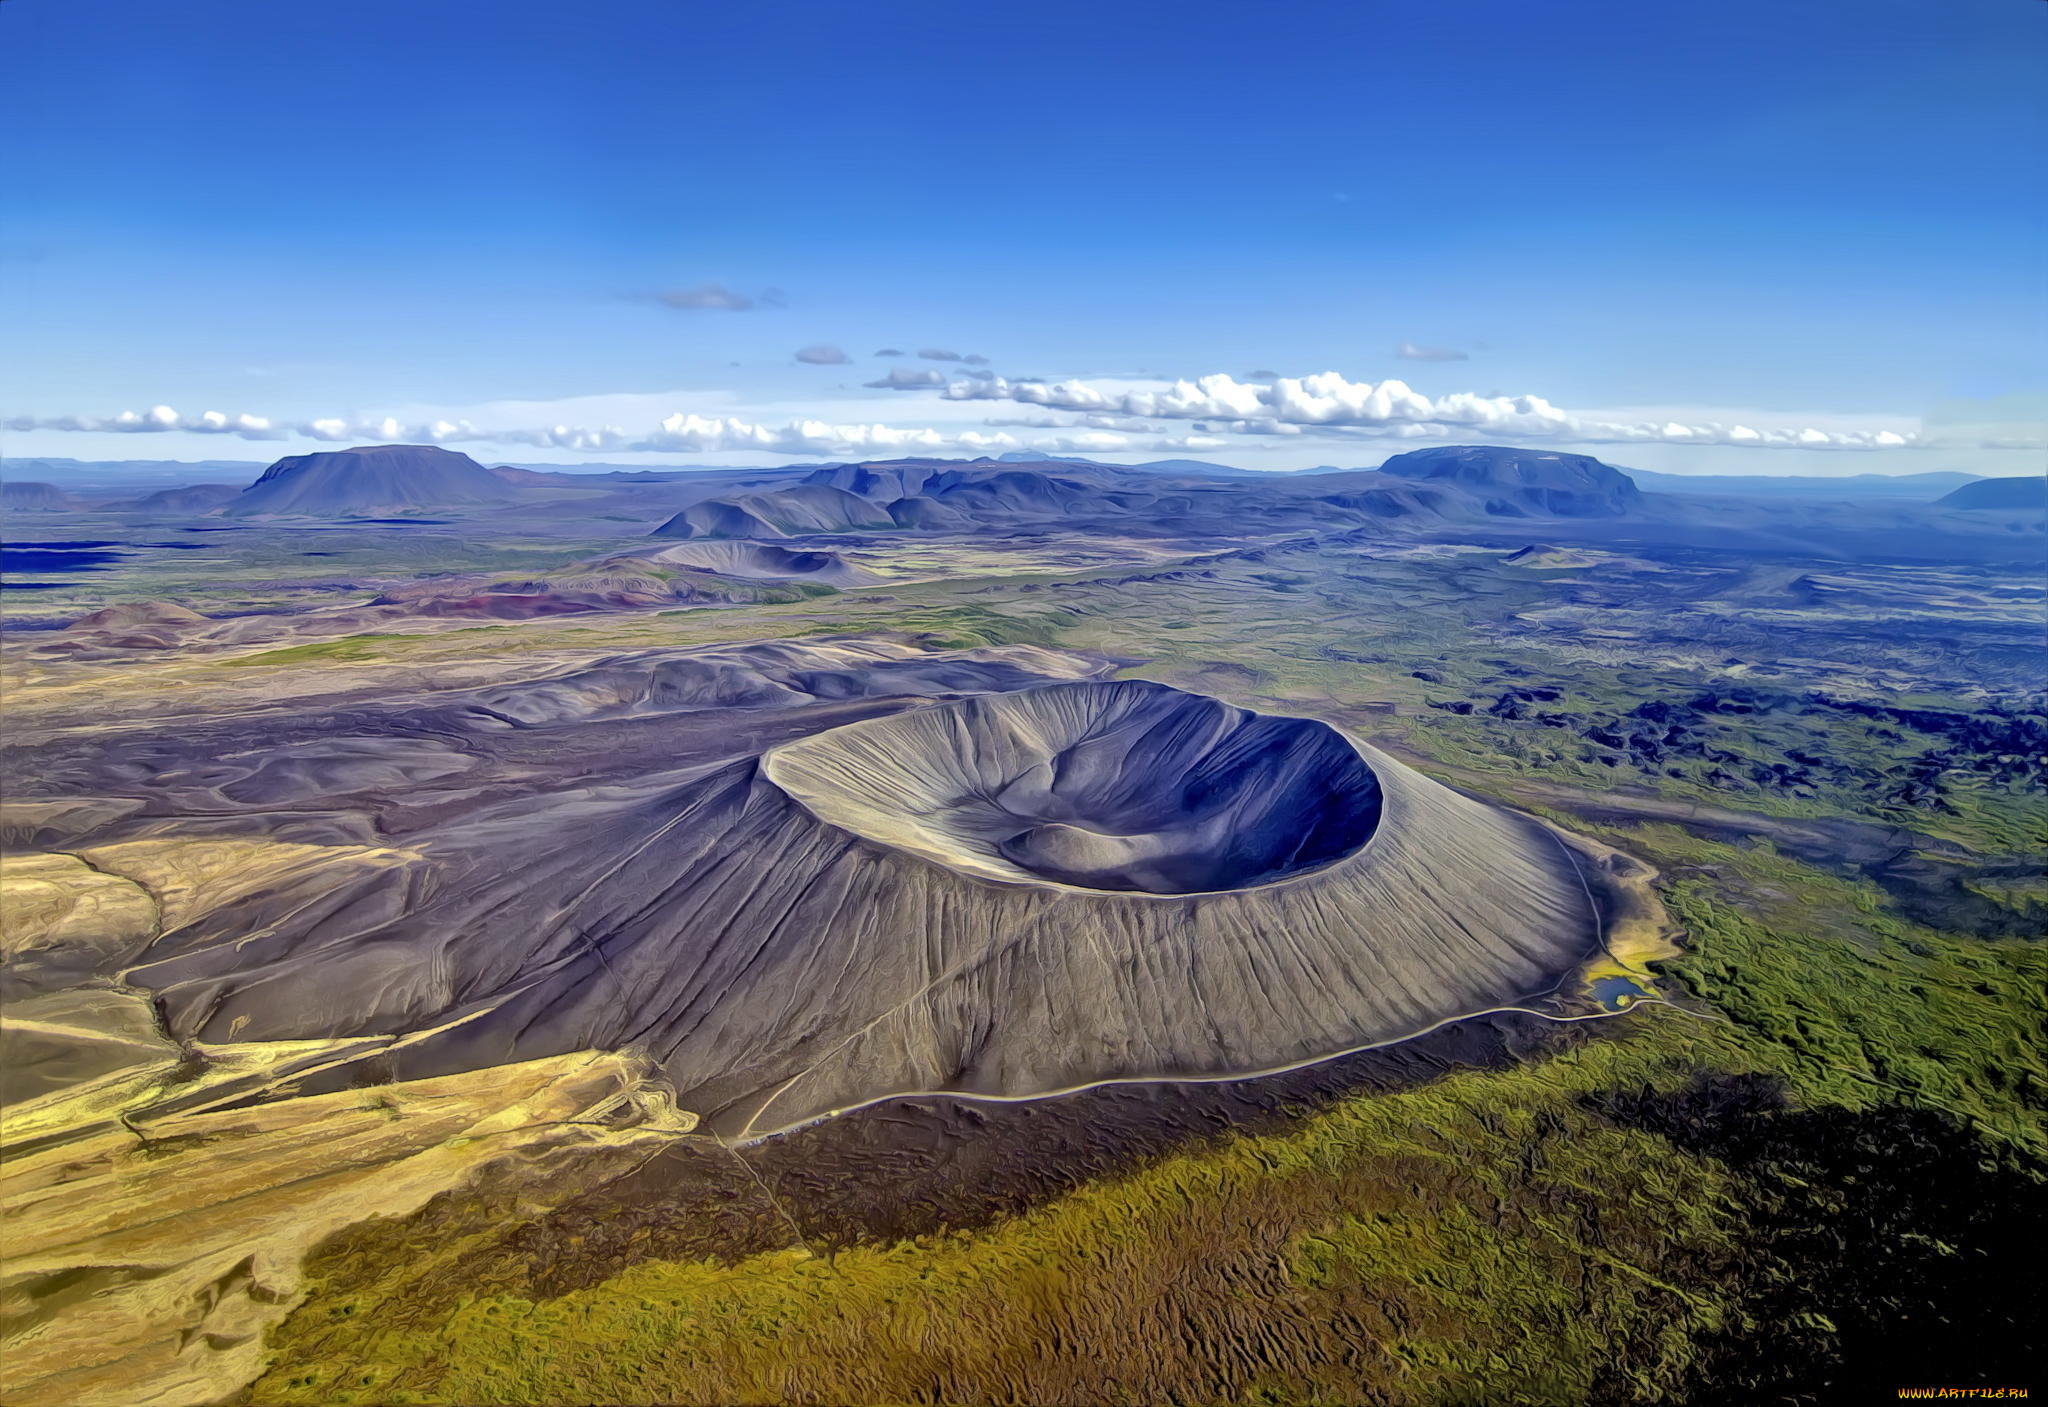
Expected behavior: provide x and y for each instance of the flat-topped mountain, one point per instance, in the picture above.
(374, 479)
(32, 496)
(1566, 485)
(2029, 491)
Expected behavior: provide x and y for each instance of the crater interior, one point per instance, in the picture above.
(1126, 786)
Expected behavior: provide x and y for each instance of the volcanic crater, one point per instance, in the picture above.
(802, 877)
(1131, 787)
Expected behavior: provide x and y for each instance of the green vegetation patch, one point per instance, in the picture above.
(348, 647)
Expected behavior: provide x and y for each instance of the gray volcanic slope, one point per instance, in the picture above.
(802, 508)
(765, 561)
(1115, 787)
(1007, 894)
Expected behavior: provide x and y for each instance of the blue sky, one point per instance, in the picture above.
(1664, 221)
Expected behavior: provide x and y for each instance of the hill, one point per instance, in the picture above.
(192, 498)
(375, 479)
(2030, 491)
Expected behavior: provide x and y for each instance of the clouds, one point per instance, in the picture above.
(695, 434)
(822, 354)
(1408, 351)
(942, 354)
(967, 414)
(327, 429)
(162, 420)
(716, 297)
(1332, 406)
(678, 433)
(211, 422)
(901, 379)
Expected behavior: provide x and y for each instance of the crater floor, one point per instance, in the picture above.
(1132, 786)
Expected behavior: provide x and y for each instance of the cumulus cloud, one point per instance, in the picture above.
(1207, 413)
(1408, 351)
(1267, 377)
(939, 354)
(693, 434)
(728, 434)
(822, 354)
(327, 429)
(678, 433)
(975, 359)
(890, 352)
(1328, 403)
(902, 380)
(716, 297)
(162, 419)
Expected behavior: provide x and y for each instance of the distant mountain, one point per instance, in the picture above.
(540, 478)
(790, 512)
(192, 498)
(2029, 491)
(1198, 468)
(592, 475)
(376, 479)
(1067, 495)
(1892, 486)
(1203, 469)
(31, 496)
(1563, 485)
(134, 474)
